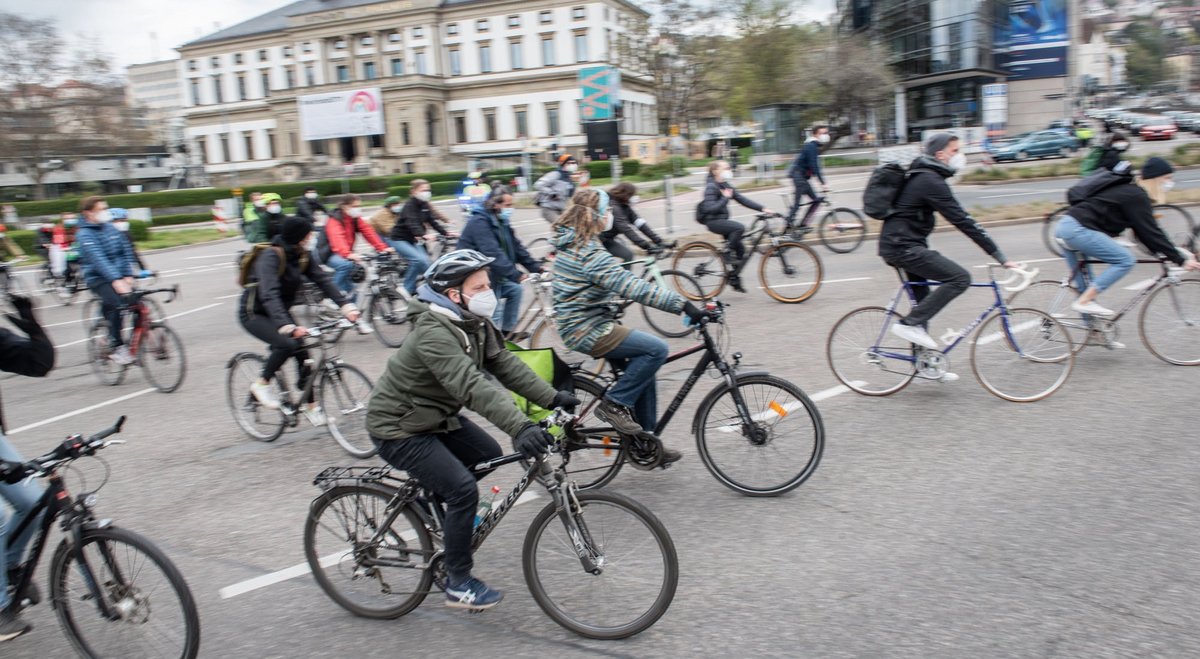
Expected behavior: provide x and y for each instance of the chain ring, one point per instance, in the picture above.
(932, 364)
(644, 452)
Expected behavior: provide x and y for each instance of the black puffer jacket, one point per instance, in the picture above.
(926, 192)
(275, 294)
(1115, 203)
(715, 206)
(627, 223)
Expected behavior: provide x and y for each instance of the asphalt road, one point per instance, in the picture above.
(942, 522)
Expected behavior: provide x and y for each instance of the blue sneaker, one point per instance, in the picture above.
(472, 594)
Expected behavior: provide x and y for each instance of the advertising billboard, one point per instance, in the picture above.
(601, 87)
(995, 109)
(341, 114)
(1032, 39)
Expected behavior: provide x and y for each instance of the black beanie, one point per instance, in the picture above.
(295, 229)
(1156, 167)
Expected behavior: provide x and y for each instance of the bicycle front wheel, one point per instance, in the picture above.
(635, 569)
(1048, 230)
(666, 323)
(161, 356)
(388, 314)
(1176, 223)
(866, 357)
(790, 272)
(773, 451)
(1022, 357)
(151, 612)
(1054, 298)
(598, 454)
(842, 230)
(1170, 323)
(369, 571)
(702, 262)
(343, 394)
(109, 372)
(255, 420)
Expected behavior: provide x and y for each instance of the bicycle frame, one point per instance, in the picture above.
(1083, 270)
(907, 287)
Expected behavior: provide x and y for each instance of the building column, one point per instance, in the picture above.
(901, 115)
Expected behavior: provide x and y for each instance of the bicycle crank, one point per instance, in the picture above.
(645, 451)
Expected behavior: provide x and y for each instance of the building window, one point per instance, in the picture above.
(460, 128)
(214, 62)
(581, 49)
(220, 98)
(369, 72)
(375, 141)
(420, 55)
(405, 134)
(224, 138)
(289, 77)
(202, 149)
(292, 144)
(514, 20)
(237, 58)
(195, 84)
(287, 51)
(262, 55)
(485, 57)
(522, 122)
(452, 29)
(366, 40)
(489, 125)
(307, 47)
(340, 44)
(393, 37)
(317, 147)
(397, 67)
(578, 13)
(431, 126)
(192, 66)
(418, 32)
(241, 87)
(343, 73)
(270, 144)
(552, 120)
(248, 140)
(481, 25)
(545, 17)
(548, 50)
(310, 75)
(409, 167)
(265, 77)
(514, 54)
(455, 62)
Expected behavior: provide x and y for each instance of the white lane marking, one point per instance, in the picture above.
(301, 569)
(1142, 285)
(210, 256)
(184, 313)
(1016, 194)
(834, 391)
(226, 297)
(823, 281)
(999, 334)
(163, 272)
(70, 322)
(84, 410)
(792, 406)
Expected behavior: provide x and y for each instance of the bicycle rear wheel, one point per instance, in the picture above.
(545, 335)
(865, 356)
(255, 420)
(1024, 359)
(777, 452)
(1170, 323)
(842, 230)
(107, 370)
(388, 314)
(666, 323)
(1048, 230)
(381, 580)
(1055, 299)
(343, 393)
(542, 251)
(162, 359)
(703, 263)
(637, 569)
(790, 272)
(155, 614)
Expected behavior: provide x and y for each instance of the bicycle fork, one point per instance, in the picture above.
(570, 512)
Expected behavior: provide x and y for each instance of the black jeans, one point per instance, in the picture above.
(439, 461)
(110, 308)
(920, 264)
(263, 328)
(803, 189)
(618, 249)
(732, 230)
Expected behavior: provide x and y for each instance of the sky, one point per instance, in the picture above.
(135, 31)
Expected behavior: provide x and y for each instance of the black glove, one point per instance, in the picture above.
(11, 472)
(532, 441)
(655, 250)
(565, 400)
(694, 313)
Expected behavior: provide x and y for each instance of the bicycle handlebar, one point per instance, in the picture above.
(74, 447)
(136, 295)
(1022, 275)
(340, 324)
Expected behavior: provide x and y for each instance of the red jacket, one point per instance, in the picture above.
(340, 230)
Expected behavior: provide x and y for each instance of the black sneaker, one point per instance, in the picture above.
(669, 455)
(736, 284)
(619, 417)
(11, 625)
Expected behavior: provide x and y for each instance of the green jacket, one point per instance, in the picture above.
(440, 369)
(254, 224)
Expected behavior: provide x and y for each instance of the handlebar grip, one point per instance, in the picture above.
(114, 429)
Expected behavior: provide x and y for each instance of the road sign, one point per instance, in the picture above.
(237, 192)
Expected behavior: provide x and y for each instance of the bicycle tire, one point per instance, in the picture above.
(1048, 230)
(853, 227)
(1182, 303)
(259, 422)
(346, 409)
(388, 314)
(160, 344)
(855, 341)
(703, 262)
(545, 335)
(132, 603)
(1055, 299)
(1044, 342)
(797, 261)
(327, 566)
(599, 506)
(597, 462)
(666, 323)
(765, 442)
(536, 247)
(1176, 223)
(110, 373)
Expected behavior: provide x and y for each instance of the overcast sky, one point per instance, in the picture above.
(134, 31)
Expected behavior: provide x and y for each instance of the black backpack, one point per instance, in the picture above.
(883, 188)
(1097, 181)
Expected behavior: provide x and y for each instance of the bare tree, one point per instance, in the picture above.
(852, 78)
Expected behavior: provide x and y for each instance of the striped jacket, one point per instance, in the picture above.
(586, 279)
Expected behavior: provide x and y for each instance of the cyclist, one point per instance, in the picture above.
(120, 220)
(310, 207)
(262, 219)
(903, 241)
(252, 211)
(1114, 151)
(490, 233)
(417, 216)
(108, 270)
(713, 212)
(415, 415)
(264, 309)
(556, 187)
(1102, 206)
(586, 279)
(342, 229)
(807, 165)
(627, 223)
(33, 357)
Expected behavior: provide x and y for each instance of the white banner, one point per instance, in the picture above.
(971, 137)
(341, 114)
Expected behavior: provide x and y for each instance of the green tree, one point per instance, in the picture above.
(1144, 64)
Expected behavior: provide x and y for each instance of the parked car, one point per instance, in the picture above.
(1158, 128)
(1188, 121)
(1138, 121)
(1038, 144)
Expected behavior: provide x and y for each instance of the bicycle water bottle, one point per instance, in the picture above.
(486, 506)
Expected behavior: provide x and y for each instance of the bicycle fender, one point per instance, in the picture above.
(717, 391)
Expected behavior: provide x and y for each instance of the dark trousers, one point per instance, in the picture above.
(732, 230)
(618, 249)
(439, 461)
(921, 264)
(263, 328)
(110, 308)
(803, 189)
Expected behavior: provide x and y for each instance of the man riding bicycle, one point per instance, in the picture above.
(414, 413)
(264, 310)
(108, 269)
(903, 242)
(806, 166)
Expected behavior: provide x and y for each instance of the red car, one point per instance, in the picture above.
(1159, 129)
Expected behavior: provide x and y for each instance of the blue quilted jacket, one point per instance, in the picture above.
(104, 252)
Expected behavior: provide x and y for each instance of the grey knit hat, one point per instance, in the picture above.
(938, 142)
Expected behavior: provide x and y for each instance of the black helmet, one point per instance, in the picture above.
(359, 274)
(452, 268)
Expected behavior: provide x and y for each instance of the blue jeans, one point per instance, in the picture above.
(509, 309)
(1093, 245)
(342, 269)
(418, 261)
(640, 355)
(21, 498)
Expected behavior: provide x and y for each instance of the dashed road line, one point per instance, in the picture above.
(83, 410)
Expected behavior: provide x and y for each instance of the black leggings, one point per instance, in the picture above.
(110, 307)
(618, 249)
(732, 230)
(282, 347)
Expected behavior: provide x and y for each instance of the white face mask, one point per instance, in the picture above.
(823, 138)
(310, 195)
(354, 211)
(274, 208)
(633, 201)
(607, 222)
(483, 305)
(258, 203)
(572, 167)
(1120, 146)
(395, 209)
(104, 216)
(1167, 185)
(726, 174)
(957, 162)
(121, 226)
(425, 195)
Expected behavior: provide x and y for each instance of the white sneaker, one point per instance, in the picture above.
(264, 393)
(948, 377)
(1091, 308)
(1114, 345)
(914, 334)
(330, 304)
(315, 415)
(364, 327)
(121, 356)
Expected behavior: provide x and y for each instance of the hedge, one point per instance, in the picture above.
(183, 218)
(441, 188)
(399, 191)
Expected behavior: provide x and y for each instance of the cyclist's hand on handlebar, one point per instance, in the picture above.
(727, 192)
(1012, 265)
(11, 472)
(353, 315)
(695, 313)
(299, 332)
(122, 286)
(532, 441)
(566, 401)
(1192, 265)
